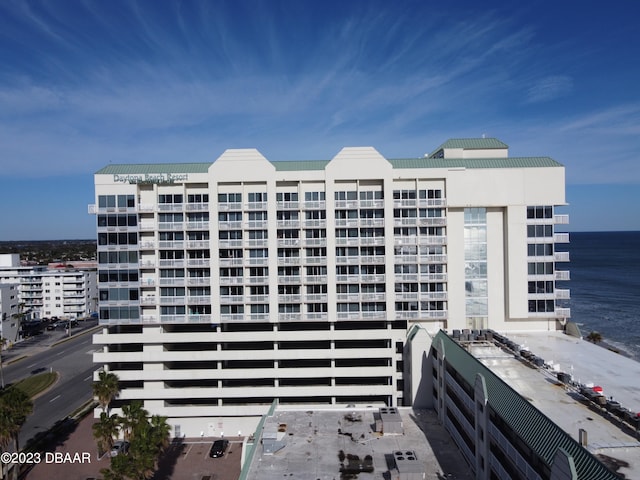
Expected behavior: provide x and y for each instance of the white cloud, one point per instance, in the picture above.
(550, 88)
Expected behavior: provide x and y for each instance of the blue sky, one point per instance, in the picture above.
(87, 83)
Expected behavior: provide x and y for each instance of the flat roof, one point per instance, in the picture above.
(590, 364)
(311, 442)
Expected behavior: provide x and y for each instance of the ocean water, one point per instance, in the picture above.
(605, 286)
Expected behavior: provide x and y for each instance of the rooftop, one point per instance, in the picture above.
(315, 444)
(608, 439)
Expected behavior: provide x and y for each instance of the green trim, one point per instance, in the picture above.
(534, 428)
(154, 168)
(257, 436)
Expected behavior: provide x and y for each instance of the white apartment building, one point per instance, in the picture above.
(64, 293)
(8, 312)
(226, 285)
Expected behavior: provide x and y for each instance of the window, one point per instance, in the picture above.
(539, 231)
(404, 194)
(350, 195)
(429, 194)
(315, 214)
(540, 212)
(287, 196)
(198, 198)
(229, 197)
(313, 196)
(230, 234)
(170, 198)
(255, 197)
(372, 195)
(257, 216)
(540, 249)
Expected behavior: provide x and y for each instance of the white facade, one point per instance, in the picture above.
(8, 310)
(43, 293)
(226, 285)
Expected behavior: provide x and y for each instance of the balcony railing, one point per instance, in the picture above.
(561, 237)
(562, 275)
(561, 256)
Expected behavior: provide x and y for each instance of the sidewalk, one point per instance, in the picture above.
(40, 343)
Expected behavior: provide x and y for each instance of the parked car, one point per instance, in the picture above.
(120, 447)
(218, 448)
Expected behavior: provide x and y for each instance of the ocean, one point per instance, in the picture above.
(605, 286)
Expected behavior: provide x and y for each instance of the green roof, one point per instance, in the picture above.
(535, 429)
(508, 162)
(473, 143)
(140, 168)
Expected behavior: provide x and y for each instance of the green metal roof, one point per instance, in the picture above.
(141, 168)
(538, 432)
(473, 143)
(509, 162)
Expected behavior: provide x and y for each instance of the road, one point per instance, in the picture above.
(72, 360)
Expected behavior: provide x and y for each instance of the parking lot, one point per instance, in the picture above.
(184, 460)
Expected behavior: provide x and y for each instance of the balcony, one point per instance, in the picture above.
(432, 259)
(258, 299)
(561, 256)
(257, 224)
(314, 242)
(232, 317)
(368, 241)
(405, 202)
(561, 238)
(231, 299)
(193, 281)
(197, 225)
(230, 243)
(257, 243)
(296, 298)
(432, 240)
(197, 207)
(346, 222)
(198, 262)
(373, 297)
(348, 297)
(287, 205)
(314, 205)
(562, 275)
(348, 278)
(432, 202)
(288, 223)
(288, 242)
(433, 296)
(372, 259)
(197, 244)
(235, 280)
(432, 221)
(400, 259)
(377, 203)
(407, 296)
(346, 204)
(405, 222)
(256, 261)
(315, 279)
(289, 316)
(315, 260)
(261, 206)
(172, 226)
(176, 245)
(315, 298)
(235, 225)
(372, 278)
(172, 300)
(264, 280)
(315, 223)
(563, 312)
(170, 207)
(348, 260)
(289, 279)
(172, 263)
(371, 222)
(562, 294)
(229, 206)
(231, 262)
(288, 261)
(199, 300)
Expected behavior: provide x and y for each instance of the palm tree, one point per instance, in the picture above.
(133, 415)
(19, 317)
(105, 430)
(15, 407)
(161, 430)
(106, 388)
(594, 337)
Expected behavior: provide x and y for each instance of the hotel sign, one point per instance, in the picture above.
(157, 178)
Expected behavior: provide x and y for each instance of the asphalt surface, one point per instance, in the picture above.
(70, 357)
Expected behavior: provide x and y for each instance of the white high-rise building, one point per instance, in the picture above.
(226, 285)
(66, 293)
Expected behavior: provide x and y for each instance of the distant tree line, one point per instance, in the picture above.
(44, 252)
